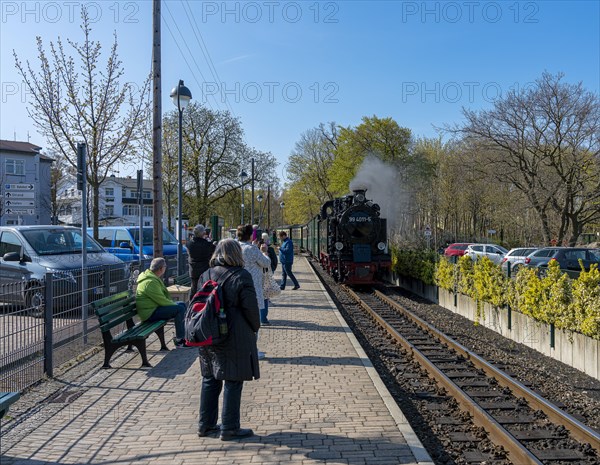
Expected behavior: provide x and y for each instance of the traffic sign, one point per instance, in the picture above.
(20, 211)
(20, 195)
(20, 203)
(427, 232)
(25, 187)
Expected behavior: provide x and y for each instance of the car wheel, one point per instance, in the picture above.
(543, 272)
(34, 302)
(515, 268)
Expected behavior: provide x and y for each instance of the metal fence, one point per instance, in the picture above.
(45, 323)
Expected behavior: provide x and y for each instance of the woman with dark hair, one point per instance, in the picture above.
(236, 359)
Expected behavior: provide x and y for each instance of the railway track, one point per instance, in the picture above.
(530, 429)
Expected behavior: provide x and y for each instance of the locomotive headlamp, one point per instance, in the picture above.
(381, 246)
(338, 246)
(359, 198)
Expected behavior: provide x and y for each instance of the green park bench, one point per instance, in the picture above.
(6, 400)
(120, 308)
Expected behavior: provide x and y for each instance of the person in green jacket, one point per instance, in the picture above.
(154, 303)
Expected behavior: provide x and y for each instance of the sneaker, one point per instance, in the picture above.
(261, 355)
(204, 431)
(295, 287)
(239, 433)
(265, 323)
(282, 288)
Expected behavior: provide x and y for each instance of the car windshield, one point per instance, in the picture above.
(56, 241)
(168, 238)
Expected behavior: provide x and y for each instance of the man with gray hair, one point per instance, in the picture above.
(154, 303)
(199, 252)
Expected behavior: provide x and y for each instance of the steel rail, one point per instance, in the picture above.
(577, 429)
(499, 435)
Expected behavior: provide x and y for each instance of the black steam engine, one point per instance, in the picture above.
(350, 239)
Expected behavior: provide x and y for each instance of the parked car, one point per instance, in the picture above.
(567, 257)
(516, 258)
(456, 250)
(123, 242)
(28, 253)
(492, 251)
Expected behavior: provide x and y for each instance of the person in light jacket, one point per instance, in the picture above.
(254, 261)
(236, 359)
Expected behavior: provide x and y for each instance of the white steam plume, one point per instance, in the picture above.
(385, 186)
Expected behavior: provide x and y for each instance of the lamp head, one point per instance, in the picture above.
(181, 96)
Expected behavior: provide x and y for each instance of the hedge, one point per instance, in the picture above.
(573, 305)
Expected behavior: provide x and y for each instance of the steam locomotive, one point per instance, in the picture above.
(349, 238)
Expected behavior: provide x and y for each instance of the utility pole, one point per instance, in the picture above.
(252, 208)
(156, 133)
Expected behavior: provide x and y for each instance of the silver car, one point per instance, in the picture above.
(492, 251)
(516, 258)
(28, 253)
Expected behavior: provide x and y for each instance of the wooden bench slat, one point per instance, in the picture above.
(6, 400)
(141, 331)
(125, 309)
(111, 298)
(117, 321)
(104, 309)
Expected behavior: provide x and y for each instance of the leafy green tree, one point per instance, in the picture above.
(381, 137)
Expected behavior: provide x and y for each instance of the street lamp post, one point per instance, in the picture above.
(282, 204)
(243, 175)
(259, 197)
(181, 96)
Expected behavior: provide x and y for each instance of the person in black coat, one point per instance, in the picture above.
(236, 359)
(199, 252)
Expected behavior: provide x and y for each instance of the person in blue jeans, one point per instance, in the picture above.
(286, 257)
(154, 303)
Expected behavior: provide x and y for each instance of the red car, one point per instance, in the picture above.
(456, 250)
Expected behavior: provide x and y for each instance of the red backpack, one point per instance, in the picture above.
(205, 319)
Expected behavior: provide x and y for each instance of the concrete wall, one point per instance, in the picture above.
(576, 350)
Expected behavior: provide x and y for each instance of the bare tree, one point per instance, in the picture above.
(545, 142)
(71, 105)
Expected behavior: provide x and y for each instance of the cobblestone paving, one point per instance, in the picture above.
(315, 403)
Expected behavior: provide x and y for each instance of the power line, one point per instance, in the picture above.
(184, 56)
(204, 49)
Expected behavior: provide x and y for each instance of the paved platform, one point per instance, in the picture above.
(318, 401)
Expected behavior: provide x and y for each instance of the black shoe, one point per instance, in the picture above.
(265, 323)
(204, 431)
(239, 433)
(282, 288)
(295, 287)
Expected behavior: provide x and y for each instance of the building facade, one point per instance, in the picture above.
(25, 176)
(118, 203)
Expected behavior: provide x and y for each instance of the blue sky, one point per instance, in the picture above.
(285, 67)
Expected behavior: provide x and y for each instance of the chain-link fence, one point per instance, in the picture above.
(47, 322)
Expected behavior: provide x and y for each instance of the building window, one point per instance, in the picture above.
(15, 167)
(109, 210)
(147, 194)
(133, 194)
(130, 210)
(148, 211)
(109, 193)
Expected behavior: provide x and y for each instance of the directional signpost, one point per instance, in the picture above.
(19, 199)
(19, 187)
(20, 203)
(20, 195)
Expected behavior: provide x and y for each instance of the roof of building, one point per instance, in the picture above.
(22, 147)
